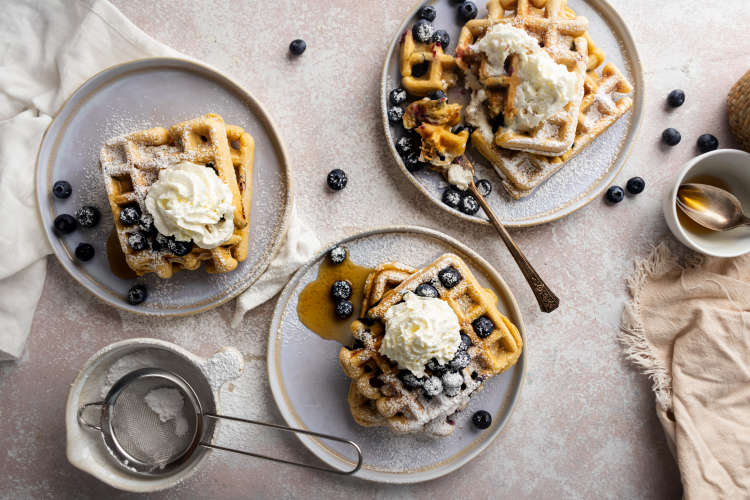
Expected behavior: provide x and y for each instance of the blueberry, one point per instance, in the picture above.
(427, 12)
(427, 290)
(343, 309)
(459, 361)
(449, 277)
(406, 145)
(484, 187)
(635, 185)
(707, 142)
(465, 342)
(341, 290)
(676, 98)
(615, 194)
(452, 197)
(483, 326)
(420, 69)
(337, 179)
(297, 47)
(469, 205)
(337, 254)
(84, 252)
(137, 294)
(395, 114)
(138, 241)
(410, 380)
(452, 383)
(482, 419)
(397, 96)
(88, 216)
(179, 248)
(146, 224)
(160, 242)
(62, 189)
(467, 11)
(435, 367)
(65, 223)
(422, 31)
(670, 137)
(437, 95)
(413, 163)
(442, 37)
(432, 386)
(130, 215)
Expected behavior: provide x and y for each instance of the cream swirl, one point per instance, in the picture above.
(190, 202)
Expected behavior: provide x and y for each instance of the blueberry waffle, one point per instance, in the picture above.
(433, 120)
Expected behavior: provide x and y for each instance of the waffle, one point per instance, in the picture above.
(432, 119)
(440, 73)
(131, 164)
(377, 396)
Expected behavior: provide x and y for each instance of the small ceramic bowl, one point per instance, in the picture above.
(725, 168)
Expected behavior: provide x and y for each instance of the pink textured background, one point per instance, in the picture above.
(585, 425)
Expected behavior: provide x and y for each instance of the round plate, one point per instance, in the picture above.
(138, 95)
(585, 176)
(310, 388)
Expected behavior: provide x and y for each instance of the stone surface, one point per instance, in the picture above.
(585, 425)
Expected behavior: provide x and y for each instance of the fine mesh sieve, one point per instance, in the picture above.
(144, 442)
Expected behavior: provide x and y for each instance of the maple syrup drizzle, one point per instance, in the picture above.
(688, 223)
(116, 258)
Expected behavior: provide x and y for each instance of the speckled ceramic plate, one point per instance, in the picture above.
(310, 388)
(135, 96)
(586, 176)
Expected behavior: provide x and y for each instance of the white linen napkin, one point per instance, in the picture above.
(47, 49)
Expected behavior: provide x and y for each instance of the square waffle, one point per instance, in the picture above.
(425, 68)
(377, 394)
(433, 120)
(131, 164)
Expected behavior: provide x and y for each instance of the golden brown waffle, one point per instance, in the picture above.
(433, 120)
(439, 74)
(377, 395)
(131, 164)
(738, 107)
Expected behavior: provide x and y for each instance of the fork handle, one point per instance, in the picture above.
(548, 301)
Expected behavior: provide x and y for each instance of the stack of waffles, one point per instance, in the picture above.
(380, 394)
(132, 163)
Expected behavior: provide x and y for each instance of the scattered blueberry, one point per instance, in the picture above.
(341, 290)
(427, 12)
(427, 290)
(465, 342)
(676, 98)
(442, 37)
(62, 189)
(337, 179)
(146, 224)
(422, 31)
(138, 241)
(410, 380)
(435, 367)
(297, 47)
(88, 216)
(406, 145)
(615, 194)
(420, 69)
(160, 242)
(707, 142)
(670, 137)
(343, 309)
(432, 386)
(449, 277)
(84, 252)
(437, 95)
(65, 223)
(412, 162)
(482, 419)
(483, 327)
(467, 11)
(452, 197)
(337, 254)
(452, 383)
(635, 185)
(484, 187)
(179, 248)
(469, 205)
(395, 114)
(137, 294)
(130, 215)
(459, 361)
(397, 96)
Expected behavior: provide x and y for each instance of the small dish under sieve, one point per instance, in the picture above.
(143, 443)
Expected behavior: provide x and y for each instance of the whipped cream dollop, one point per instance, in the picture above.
(419, 329)
(459, 176)
(546, 86)
(190, 202)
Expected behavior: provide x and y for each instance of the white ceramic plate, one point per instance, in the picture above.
(138, 95)
(586, 176)
(310, 388)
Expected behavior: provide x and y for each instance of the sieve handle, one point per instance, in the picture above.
(82, 420)
(296, 431)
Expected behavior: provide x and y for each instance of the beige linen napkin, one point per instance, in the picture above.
(688, 328)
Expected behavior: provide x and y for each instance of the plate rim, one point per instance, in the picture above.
(636, 67)
(256, 108)
(407, 477)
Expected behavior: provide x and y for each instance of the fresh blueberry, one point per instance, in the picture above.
(427, 12)
(437, 95)
(635, 185)
(670, 137)
(160, 242)
(297, 47)
(432, 386)
(467, 11)
(465, 342)
(707, 142)
(449, 277)
(395, 114)
(413, 163)
(435, 367)
(452, 197)
(65, 223)
(452, 383)
(343, 309)
(336, 179)
(397, 96)
(484, 187)
(341, 290)
(137, 294)
(483, 327)
(420, 69)
(337, 254)
(84, 252)
(459, 361)
(62, 189)
(138, 241)
(676, 98)
(130, 215)
(422, 31)
(442, 37)
(615, 194)
(427, 290)
(88, 216)
(482, 419)
(146, 224)
(406, 145)
(410, 380)
(469, 205)
(179, 248)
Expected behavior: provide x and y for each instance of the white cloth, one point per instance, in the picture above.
(47, 49)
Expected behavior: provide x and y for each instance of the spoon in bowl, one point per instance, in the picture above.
(711, 207)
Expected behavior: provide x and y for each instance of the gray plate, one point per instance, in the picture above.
(310, 388)
(584, 177)
(135, 96)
